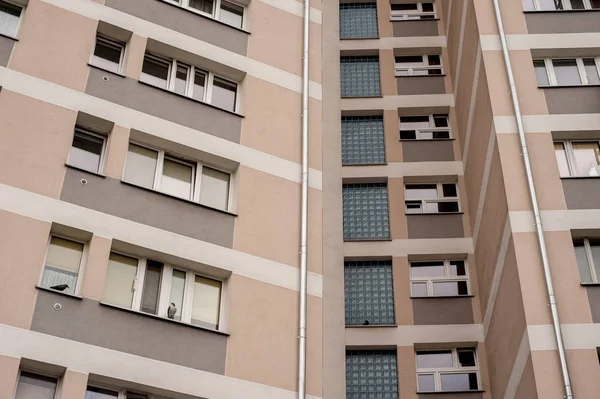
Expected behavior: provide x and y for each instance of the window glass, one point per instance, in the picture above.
(419, 289)
(450, 288)
(414, 123)
(449, 190)
(551, 4)
(223, 94)
(181, 79)
(587, 157)
(86, 151)
(410, 60)
(421, 191)
(62, 265)
(591, 71)
(151, 291)
(595, 4)
(427, 269)
(120, 278)
(561, 159)
(107, 55)
(33, 386)
(202, 5)
(206, 303)
(540, 73)
(445, 207)
(177, 178)
(440, 120)
(140, 166)
(177, 292)
(528, 5)
(99, 393)
(595, 247)
(434, 359)
(9, 18)
(427, 7)
(199, 85)
(426, 383)
(466, 357)
(577, 5)
(404, 7)
(566, 72)
(155, 72)
(231, 14)
(459, 382)
(457, 268)
(582, 261)
(214, 188)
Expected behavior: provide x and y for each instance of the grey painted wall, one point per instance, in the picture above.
(6, 46)
(172, 107)
(582, 193)
(431, 311)
(573, 100)
(186, 22)
(563, 22)
(421, 85)
(415, 28)
(435, 226)
(143, 206)
(87, 321)
(427, 150)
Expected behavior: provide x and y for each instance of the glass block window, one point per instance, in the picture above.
(365, 208)
(369, 293)
(358, 21)
(362, 140)
(371, 375)
(360, 76)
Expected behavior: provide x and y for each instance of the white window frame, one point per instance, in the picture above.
(566, 5)
(102, 162)
(444, 279)
(425, 67)
(59, 380)
(590, 260)
(216, 12)
(455, 369)
(121, 392)
(440, 198)
(572, 159)
(107, 40)
(82, 263)
(196, 175)
(189, 90)
(409, 15)
(23, 9)
(165, 291)
(583, 78)
(432, 128)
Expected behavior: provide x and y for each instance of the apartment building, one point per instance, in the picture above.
(150, 199)
(443, 286)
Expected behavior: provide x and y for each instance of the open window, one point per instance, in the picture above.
(424, 127)
(419, 65)
(413, 11)
(432, 198)
(447, 370)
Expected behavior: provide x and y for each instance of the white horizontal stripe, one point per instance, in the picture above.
(575, 336)
(48, 209)
(123, 366)
(409, 335)
(178, 40)
(518, 368)
(401, 169)
(391, 43)
(557, 220)
(129, 118)
(548, 123)
(296, 8)
(542, 41)
(395, 102)
(414, 246)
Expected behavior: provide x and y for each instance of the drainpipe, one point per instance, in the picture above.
(536, 209)
(304, 211)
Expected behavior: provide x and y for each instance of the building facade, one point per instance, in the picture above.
(150, 199)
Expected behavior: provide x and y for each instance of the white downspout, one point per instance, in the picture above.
(304, 211)
(536, 209)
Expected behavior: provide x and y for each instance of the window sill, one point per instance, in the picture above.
(579, 177)
(179, 198)
(420, 76)
(360, 97)
(191, 99)
(585, 284)
(564, 86)
(207, 17)
(360, 38)
(448, 392)
(74, 296)
(435, 213)
(373, 326)
(106, 70)
(364, 164)
(409, 140)
(9, 37)
(558, 11)
(164, 319)
(85, 171)
(415, 20)
(443, 297)
(367, 239)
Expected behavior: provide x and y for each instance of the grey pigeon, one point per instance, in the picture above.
(171, 310)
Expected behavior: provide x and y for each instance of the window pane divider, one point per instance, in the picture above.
(138, 284)
(165, 290)
(590, 258)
